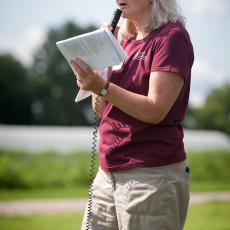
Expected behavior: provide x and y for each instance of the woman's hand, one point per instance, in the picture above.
(87, 79)
(109, 27)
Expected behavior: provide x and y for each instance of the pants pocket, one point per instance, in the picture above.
(146, 194)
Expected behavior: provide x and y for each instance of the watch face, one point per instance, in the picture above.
(103, 92)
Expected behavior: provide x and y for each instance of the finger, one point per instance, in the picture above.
(78, 83)
(108, 26)
(79, 76)
(83, 67)
(77, 67)
(116, 31)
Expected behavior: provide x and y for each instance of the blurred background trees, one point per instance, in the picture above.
(15, 94)
(55, 84)
(214, 113)
(44, 93)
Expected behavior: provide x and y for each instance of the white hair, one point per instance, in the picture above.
(163, 11)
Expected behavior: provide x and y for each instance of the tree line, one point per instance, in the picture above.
(44, 93)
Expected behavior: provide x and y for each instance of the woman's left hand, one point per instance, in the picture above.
(87, 79)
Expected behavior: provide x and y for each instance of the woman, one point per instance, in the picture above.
(143, 181)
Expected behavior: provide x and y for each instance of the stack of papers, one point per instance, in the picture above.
(99, 49)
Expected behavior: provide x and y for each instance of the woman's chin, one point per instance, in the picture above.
(126, 15)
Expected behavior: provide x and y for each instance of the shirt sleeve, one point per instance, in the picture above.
(173, 53)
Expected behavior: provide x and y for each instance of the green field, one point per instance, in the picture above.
(209, 216)
(51, 175)
(68, 221)
(44, 193)
(25, 175)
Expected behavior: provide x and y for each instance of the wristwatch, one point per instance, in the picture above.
(104, 91)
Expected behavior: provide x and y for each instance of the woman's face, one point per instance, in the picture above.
(134, 9)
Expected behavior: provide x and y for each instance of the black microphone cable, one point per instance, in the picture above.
(115, 19)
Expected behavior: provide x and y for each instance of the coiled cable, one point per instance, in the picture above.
(92, 164)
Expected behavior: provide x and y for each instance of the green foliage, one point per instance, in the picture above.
(44, 93)
(208, 165)
(214, 114)
(55, 84)
(43, 170)
(217, 106)
(210, 170)
(76, 191)
(15, 100)
(47, 170)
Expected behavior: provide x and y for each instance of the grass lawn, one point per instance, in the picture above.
(45, 193)
(82, 191)
(210, 185)
(69, 221)
(24, 175)
(209, 216)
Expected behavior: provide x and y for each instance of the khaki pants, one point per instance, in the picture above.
(141, 198)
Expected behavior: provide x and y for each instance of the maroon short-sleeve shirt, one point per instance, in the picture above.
(126, 142)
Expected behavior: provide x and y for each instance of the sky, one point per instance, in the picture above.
(24, 24)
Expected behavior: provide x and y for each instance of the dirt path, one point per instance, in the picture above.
(78, 205)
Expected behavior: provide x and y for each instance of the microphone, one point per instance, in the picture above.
(115, 19)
